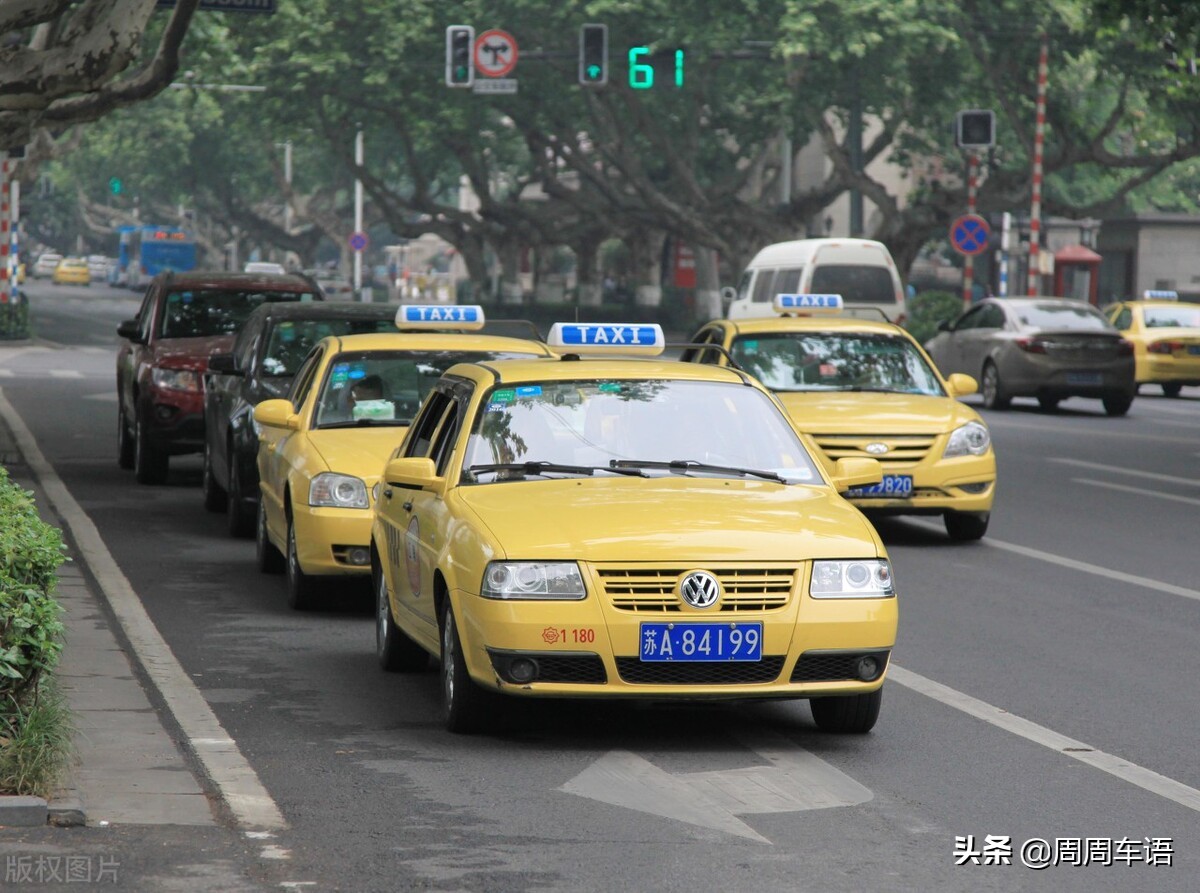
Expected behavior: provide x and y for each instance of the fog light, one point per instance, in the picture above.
(868, 668)
(522, 670)
(359, 556)
(164, 412)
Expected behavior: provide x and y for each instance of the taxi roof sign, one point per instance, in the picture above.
(808, 303)
(460, 317)
(1152, 294)
(629, 339)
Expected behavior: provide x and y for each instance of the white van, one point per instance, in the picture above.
(859, 270)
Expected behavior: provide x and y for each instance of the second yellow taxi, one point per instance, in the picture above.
(71, 271)
(864, 388)
(1166, 339)
(321, 449)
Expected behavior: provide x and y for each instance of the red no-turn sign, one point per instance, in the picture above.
(495, 53)
(969, 235)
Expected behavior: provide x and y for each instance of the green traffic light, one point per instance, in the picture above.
(114, 185)
(593, 72)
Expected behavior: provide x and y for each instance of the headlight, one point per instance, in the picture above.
(339, 491)
(533, 580)
(375, 492)
(971, 439)
(175, 379)
(867, 578)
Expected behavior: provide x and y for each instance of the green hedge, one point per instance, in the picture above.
(14, 319)
(928, 309)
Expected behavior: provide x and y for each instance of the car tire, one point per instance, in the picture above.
(994, 396)
(301, 588)
(965, 527)
(847, 714)
(240, 522)
(397, 652)
(269, 560)
(150, 464)
(467, 706)
(1172, 389)
(124, 442)
(215, 498)
(1049, 404)
(1118, 404)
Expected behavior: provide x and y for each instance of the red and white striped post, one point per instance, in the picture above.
(8, 281)
(1039, 139)
(972, 190)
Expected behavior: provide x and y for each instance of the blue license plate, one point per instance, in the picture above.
(701, 641)
(891, 485)
(1085, 378)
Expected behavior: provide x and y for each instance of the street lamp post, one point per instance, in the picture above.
(358, 210)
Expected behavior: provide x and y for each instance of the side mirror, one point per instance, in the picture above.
(856, 472)
(945, 326)
(962, 385)
(224, 364)
(412, 474)
(277, 414)
(131, 330)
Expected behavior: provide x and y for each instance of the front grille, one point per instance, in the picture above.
(903, 449)
(637, 672)
(818, 667)
(643, 589)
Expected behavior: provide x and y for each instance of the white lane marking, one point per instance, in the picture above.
(228, 769)
(793, 780)
(65, 373)
(1131, 472)
(1073, 564)
(1140, 491)
(6, 373)
(1144, 778)
(110, 397)
(272, 851)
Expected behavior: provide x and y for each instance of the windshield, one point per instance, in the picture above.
(386, 387)
(598, 423)
(856, 283)
(835, 361)
(292, 339)
(204, 312)
(1172, 317)
(1063, 316)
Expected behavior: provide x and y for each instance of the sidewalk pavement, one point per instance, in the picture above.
(128, 768)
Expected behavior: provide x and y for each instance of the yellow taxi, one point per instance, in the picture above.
(864, 388)
(1165, 336)
(322, 448)
(71, 271)
(16, 270)
(611, 527)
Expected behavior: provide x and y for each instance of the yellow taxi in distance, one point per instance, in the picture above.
(71, 271)
(859, 388)
(626, 528)
(1166, 339)
(321, 449)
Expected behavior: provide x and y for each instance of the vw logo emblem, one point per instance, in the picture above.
(700, 589)
(877, 449)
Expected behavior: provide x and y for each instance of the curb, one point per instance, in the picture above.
(22, 812)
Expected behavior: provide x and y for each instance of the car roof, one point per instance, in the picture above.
(255, 281)
(323, 310)
(465, 341)
(586, 368)
(764, 324)
(1159, 304)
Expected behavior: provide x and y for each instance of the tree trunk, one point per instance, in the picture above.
(509, 253)
(586, 282)
(645, 251)
(471, 248)
(708, 285)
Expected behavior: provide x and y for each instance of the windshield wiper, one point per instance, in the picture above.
(858, 388)
(364, 423)
(685, 465)
(543, 467)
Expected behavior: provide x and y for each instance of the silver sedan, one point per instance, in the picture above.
(1048, 348)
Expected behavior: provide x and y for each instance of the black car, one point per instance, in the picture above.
(269, 349)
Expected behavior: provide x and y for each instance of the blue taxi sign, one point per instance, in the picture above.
(808, 303)
(462, 317)
(1153, 294)
(632, 339)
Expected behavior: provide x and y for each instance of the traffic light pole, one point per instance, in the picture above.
(969, 263)
(358, 212)
(8, 220)
(1039, 137)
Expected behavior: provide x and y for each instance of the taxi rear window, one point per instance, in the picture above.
(203, 313)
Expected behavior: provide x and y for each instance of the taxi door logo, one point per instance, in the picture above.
(700, 589)
(412, 556)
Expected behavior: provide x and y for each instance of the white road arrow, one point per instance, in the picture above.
(793, 780)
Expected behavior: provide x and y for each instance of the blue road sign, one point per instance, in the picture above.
(358, 241)
(969, 234)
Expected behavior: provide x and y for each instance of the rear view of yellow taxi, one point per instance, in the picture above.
(593, 526)
(321, 449)
(863, 388)
(1166, 339)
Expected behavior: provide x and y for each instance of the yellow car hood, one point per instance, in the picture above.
(669, 519)
(846, 412)
(361, 452)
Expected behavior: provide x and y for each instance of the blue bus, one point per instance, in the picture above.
(146, 251)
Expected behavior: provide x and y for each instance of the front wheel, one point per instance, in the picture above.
(964, 527)
(301, 588)
(396, 651)
(994, 396)
(1118, 404)
(268, 558)
(847, 714)
(1172, 389)
(467, 705)
(150, 464)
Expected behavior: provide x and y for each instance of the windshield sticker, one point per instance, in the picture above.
(497, 407)
(609, 387)
(374, 409)
(530, 391)
(749, 347)
(340, 373)
(504, 396)
(357, 371)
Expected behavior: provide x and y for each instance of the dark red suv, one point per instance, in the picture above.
(185, 317)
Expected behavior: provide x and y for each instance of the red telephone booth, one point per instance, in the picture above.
(1076, 273)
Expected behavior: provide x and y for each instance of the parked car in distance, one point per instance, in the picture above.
(272, 344)
(262, 266)
(335, 286)
(71, 271)
(184, 318)
(46, 264)
(97, 266)
(1166, 339)
(1048, 348)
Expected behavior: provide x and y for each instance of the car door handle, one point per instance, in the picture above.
(407, 506)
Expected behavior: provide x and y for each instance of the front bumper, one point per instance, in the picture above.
(590, 647)
(327, 539)
(961, 484)
(175, 420)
